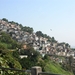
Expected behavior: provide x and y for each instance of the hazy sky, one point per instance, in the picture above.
(43, 15)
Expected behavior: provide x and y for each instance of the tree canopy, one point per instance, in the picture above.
(4, 19)
(6, 39)
(39, 34)
(27, 29)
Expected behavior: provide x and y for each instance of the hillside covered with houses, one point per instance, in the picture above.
(39, 41)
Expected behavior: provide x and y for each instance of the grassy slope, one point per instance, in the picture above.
(56, 68)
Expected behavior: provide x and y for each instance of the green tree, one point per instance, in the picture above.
(3, 46)
(27, 29)
(39, 34)
(67, 45)
(32, 58)
(25, 62)
(16, 54)
(5, 38)
(12, 22)
(53, 39)
(46, 36)
(21, 26)
(46, 57)
(4, 19)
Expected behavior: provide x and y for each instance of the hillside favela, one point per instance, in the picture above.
(25, 52)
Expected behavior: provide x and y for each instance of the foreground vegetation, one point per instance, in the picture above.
(9, 60)
(56, 68)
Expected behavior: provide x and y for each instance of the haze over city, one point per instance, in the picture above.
(55, 18)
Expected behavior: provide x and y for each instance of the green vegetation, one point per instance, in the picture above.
(40, 34)
(4, 19)
(56, 68)
(51, 66)
(10, 55)
(27, 29)
(32, 58)
(8, 61)
(7, 42)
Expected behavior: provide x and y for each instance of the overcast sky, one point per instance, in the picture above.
(43, 15)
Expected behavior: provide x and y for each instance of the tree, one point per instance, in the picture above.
(25, 62)
(53, 39)
(39, 34)
(67, 45)
(46, 36)
(32, 58)
(2, 46)
(5, 38)
(46, 57)
(21, 26)
(16, 54)
(4, 19)
(27, 29)
(12, 22)
(70, 62)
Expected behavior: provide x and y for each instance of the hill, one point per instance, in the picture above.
(16, 40)
(40, 41)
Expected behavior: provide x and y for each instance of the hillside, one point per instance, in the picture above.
(16, 40)
(53, 67)
(41, 42)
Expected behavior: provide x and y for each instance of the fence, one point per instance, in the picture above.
(36, 70)
(12, 71)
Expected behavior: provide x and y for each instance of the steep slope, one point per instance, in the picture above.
(56, 68)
